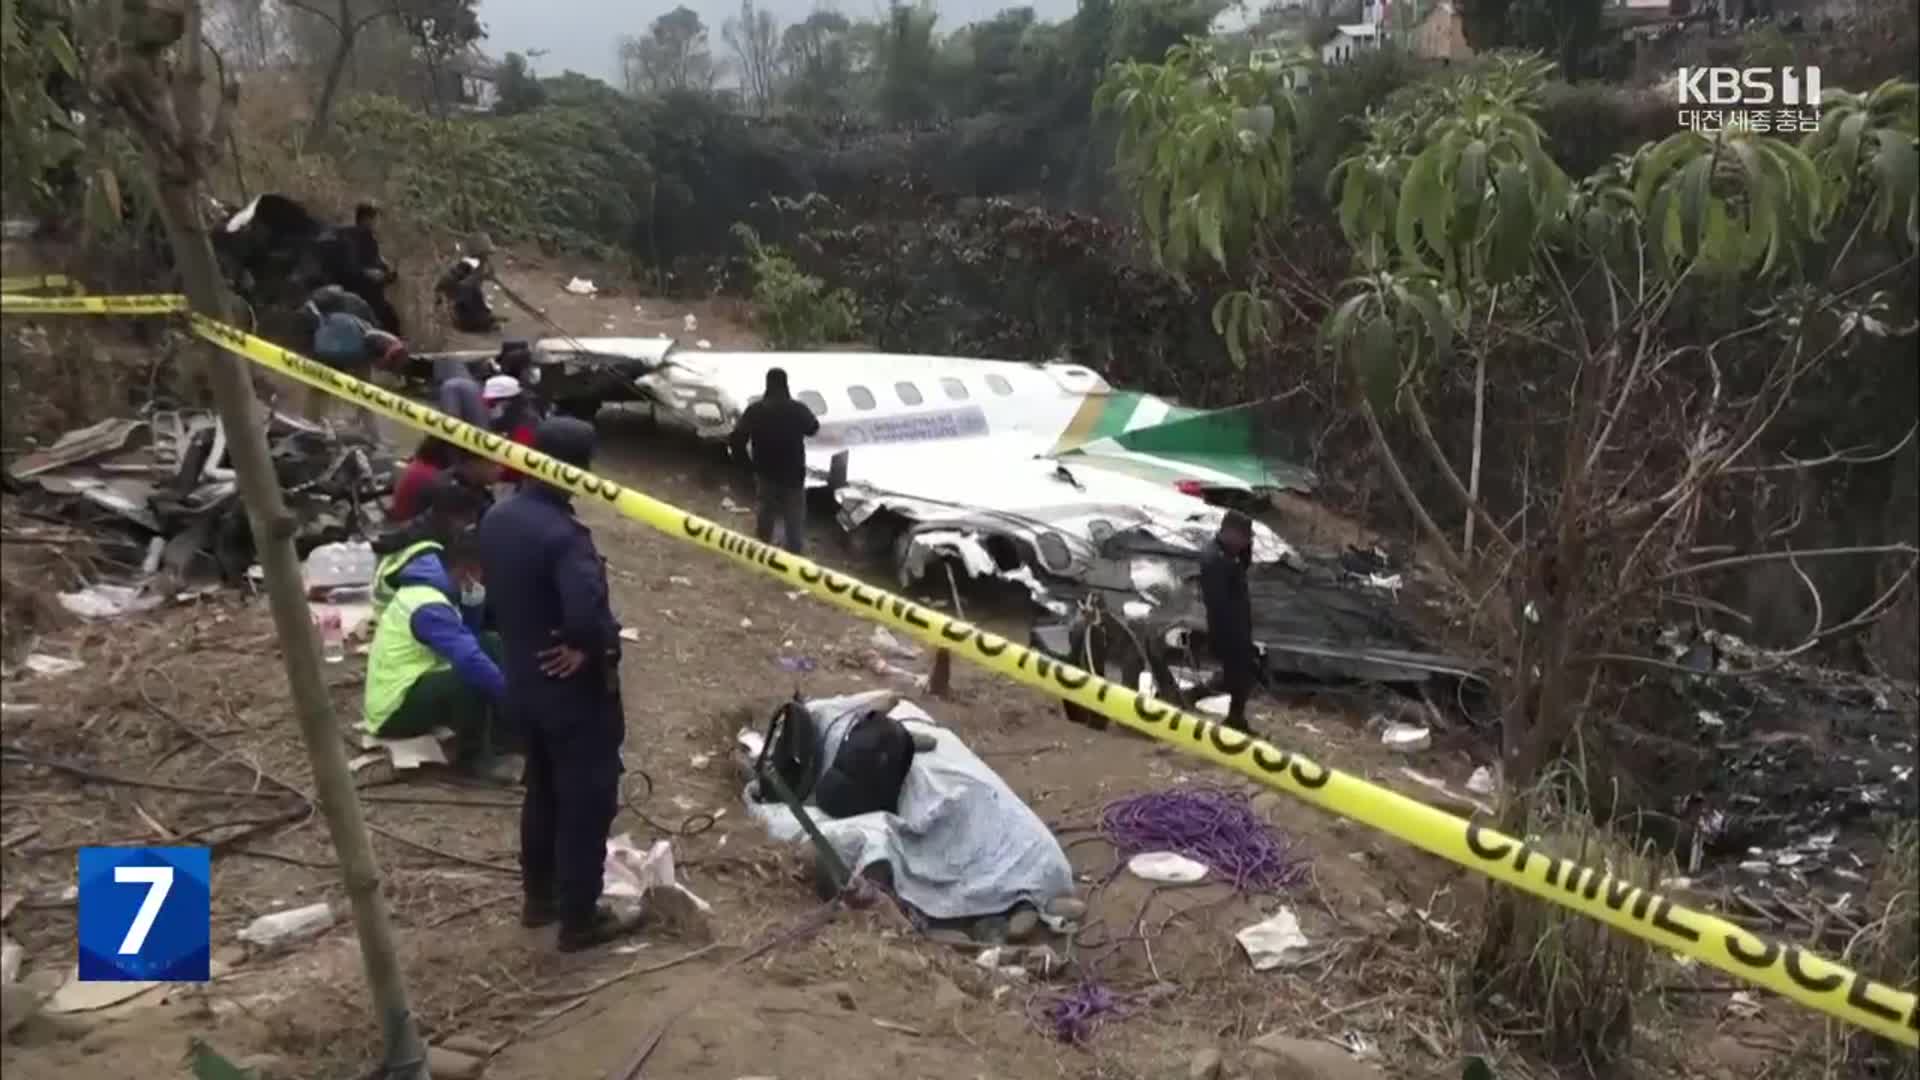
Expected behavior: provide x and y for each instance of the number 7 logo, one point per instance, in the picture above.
(159, 882)
(145, 914)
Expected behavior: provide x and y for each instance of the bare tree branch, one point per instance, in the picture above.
(1776, 556)
(1837, 457)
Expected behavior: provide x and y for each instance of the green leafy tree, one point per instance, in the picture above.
(905, 56)
(673, 55)
(518, 91)
(1675, 304)
(794, 309)
(819, 56)
(39, 75)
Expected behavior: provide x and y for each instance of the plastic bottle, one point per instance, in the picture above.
(333, 637)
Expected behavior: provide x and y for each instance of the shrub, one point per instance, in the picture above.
(795, 309)
(1548, 969)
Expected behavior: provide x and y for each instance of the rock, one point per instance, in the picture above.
(1282, 1057)
(228, 956)
(470, 1044)
(1267, 804)
(1206, 1065)
(1023, 924)
(1068, 907)
(445, 1064)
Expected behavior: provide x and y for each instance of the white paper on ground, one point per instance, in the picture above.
(412, 753)
(1274, 942)
(631, 872)
(1166, 867)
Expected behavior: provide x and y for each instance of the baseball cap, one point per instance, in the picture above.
(500, 387)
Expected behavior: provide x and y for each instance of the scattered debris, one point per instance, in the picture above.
(159, 497)
(581, 287)
(104, 601)
(1274, 942)
(1482, 781)
(43, 664)
(1406, 738)
(288, 927)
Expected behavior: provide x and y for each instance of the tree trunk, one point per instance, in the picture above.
(178, 171)
(330, 85)
(273, 529)
(1479, 435)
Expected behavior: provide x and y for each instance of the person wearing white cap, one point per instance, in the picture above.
(508, 409)
(513, 413)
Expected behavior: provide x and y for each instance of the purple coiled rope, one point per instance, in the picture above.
(1213, 827)
(1210, 826)
(1074, 1015)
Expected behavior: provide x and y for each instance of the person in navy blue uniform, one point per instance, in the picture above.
(547, 590)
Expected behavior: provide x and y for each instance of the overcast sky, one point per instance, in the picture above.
(581, 34)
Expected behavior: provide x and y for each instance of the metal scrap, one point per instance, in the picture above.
(159, 496)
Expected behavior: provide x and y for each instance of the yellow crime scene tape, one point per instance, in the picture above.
(155, 304)
(33, 282)
(1788, 970)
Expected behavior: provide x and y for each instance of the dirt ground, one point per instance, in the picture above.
(177, 710)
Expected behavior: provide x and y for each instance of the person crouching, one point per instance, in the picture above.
(429, 665)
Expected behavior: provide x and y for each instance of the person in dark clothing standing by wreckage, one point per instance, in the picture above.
(365, 274)
(775, 429)
(547, 588)
(1223, 589)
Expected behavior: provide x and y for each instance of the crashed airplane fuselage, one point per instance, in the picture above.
(1023, 471)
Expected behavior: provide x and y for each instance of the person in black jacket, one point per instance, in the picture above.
(366, 273)
(775, 428)
(1223, 589)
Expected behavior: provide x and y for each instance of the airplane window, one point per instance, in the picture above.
(813, 401)
(909, 393)
(1054, 555)
(862, 397)
(1000, 385)
(955, 389)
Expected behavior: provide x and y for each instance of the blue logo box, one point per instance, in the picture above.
(145, 914)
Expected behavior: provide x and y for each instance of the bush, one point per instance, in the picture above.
(794, 309)
(1548, 969)
(562, 178)
(1889, 950)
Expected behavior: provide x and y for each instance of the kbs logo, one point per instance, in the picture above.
(1762, 100)
(145, 914)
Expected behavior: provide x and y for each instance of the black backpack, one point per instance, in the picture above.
(870, 769)
(789, 752)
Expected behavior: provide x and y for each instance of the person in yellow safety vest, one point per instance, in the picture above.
(429, 667)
